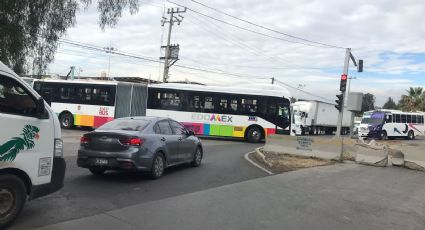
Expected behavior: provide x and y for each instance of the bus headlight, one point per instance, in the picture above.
(58, 148)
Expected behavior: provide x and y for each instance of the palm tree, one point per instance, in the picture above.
(414, 99)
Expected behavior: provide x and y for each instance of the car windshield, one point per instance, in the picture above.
(130, 125)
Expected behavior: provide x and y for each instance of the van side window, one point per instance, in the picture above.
(15, 99)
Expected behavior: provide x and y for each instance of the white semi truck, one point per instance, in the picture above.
(317, 117)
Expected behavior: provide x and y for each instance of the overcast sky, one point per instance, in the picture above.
(387, 34)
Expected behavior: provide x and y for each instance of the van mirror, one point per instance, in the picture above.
(41, 110)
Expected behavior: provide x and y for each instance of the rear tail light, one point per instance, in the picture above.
(131, 141)
(84, 140)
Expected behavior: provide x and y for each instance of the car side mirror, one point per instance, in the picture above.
(190, 133)
(41, 109)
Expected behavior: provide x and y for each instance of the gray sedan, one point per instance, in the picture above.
(139, 144)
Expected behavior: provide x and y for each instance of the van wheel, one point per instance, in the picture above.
(411, 135)
(254, 134)
(97, 171)
(66, 120)
(13, 195)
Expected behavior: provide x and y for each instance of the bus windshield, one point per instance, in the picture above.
(375, 118)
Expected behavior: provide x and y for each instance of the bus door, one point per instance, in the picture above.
(283, 121)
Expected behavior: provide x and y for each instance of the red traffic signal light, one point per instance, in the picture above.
(343, 84)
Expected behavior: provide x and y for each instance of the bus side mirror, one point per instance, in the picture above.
(41, 110)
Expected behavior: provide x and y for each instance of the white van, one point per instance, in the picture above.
(31, 149)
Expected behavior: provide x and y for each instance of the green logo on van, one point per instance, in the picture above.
(10, 149)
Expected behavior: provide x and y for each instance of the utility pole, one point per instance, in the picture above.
(272, 80)
(171, 21)
(109, 49)
(341, 112)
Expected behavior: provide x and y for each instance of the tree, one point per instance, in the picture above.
(30, 30)
(414, 100)
(390, 104)
(368, 102)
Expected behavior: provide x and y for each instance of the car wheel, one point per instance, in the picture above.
(254, 134)
(158, 166)
(13, 195)
(66, 120)
(97, 171)
(411, 135)
(197, 158)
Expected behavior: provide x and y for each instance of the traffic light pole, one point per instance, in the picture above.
(341, 112)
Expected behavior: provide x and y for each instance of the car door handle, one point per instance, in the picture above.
(163, 139)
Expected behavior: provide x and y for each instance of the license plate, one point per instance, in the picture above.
(100, 161)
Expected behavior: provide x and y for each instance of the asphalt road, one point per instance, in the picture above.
(86, 195)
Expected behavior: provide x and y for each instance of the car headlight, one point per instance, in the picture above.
(58, 148)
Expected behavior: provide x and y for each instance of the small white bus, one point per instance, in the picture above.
(31, 161)
(389, 124)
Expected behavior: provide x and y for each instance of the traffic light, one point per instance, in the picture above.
(343, 84)
(338, 101)
(360, 66)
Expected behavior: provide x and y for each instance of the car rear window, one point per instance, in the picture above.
(130, 125)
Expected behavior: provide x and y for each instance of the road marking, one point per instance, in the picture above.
(255, 164)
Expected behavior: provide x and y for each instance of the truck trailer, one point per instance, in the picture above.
(317, 117)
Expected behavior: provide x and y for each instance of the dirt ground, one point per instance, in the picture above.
(278, 163)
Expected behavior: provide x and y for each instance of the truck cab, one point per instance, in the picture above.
(31, 149)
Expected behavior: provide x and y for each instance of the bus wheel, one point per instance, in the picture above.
(254, 134)
(411, 135)
(384, 135)
(66, 120)
(13, 195)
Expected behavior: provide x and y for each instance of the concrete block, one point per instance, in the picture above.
(371, 153)
(319, 147)
(414, 157)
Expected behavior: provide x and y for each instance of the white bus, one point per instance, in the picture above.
(223, 111)
(389, 124)
(31, 149)
(92, 103)
(250, 113)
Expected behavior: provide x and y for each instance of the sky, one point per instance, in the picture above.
(386, 34)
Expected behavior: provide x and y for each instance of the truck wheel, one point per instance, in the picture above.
(66, 120)
(302, 130)
(254, 134)
(13, 195)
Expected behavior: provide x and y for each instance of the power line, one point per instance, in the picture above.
(266, 28)
(306, 92)
(87, 46)
(253, 31)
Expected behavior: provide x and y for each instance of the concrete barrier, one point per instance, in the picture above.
(371, 153)
(414, 157)
(319, 147)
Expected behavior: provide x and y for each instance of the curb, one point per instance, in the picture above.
(255, 164)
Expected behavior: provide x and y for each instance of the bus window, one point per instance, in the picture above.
(421, 119)
(170, 101)
(414, 119)
(403, 118)
(234, 105)
(248, 106)
(208, 105)
(409, 118)
(223, 105)
(397, 118)
(389, 118)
